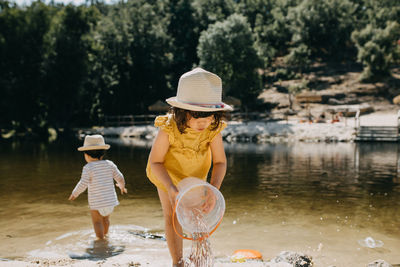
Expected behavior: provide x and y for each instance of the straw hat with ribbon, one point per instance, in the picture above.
(199, 90)
(94, 142)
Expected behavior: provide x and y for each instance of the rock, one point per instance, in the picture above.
(326, 97)
(396, 100)
(294, 258)
(275, 98)
(379, 263)
(333, 101)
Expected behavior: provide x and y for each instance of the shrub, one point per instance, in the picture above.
(377, 49)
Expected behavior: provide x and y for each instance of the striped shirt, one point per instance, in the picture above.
(97, 177)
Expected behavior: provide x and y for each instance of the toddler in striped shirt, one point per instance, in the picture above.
(98, 177)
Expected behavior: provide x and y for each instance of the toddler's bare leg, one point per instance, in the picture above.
(106, 223)
(175, 243)
(98, 225)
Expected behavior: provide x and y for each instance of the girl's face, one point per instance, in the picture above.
(199, 124)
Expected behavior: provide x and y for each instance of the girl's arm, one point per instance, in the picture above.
(119, 178)
(82, 184)
(156, 159)
(219, 161)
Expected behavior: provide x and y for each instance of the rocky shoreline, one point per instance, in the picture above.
(294, 130)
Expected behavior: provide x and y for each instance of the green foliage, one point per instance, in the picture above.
(64, 66)
(271, 27)
(377, 49)
(252, 9)
(22, 48)
(227, 49)
(294, 89)
(208, 12)
(323, 26)
(185, 31)
(67, 65)
(299, 57)
(135, 56)
(284, 74)
(377, 13)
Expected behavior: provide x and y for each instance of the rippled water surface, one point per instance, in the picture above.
(321, 199)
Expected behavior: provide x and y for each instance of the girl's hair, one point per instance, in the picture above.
(181, 118)
(96, 154)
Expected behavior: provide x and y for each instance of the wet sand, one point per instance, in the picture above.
(330, 241)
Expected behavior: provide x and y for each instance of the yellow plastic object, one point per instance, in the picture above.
(242, 255)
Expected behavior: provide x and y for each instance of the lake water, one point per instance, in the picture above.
(320, 199)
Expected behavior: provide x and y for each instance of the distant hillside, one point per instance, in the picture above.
(325, 87)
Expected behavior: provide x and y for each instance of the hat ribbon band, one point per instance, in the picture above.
(221, 105)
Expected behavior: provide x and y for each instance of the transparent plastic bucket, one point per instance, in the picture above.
(198, 201)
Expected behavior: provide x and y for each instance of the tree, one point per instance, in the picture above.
(185, 31)
(22, 48)
(270, 25)
(227, 49)
(299, 58)
(323, 26)
(377, 13)
(208, 12)
(67, 66)
(135, 56)
(377, 49)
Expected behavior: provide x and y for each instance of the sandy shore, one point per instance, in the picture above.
(130, 260)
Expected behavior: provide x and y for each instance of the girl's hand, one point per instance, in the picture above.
(209, 201)
(123, 189)
(173, 193)
(71, 197)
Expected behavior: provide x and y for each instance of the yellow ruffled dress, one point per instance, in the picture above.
(189, 154)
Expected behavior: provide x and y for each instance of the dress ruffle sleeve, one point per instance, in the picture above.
(166, 124)
(214, 133)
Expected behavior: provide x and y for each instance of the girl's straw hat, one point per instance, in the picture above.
(199, 90)
(94, 142)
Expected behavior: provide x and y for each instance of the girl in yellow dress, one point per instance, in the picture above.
(188, 141)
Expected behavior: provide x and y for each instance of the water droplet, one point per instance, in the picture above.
(370, 242)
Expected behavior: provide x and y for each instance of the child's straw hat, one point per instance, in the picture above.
(94, 142)
(199, 90)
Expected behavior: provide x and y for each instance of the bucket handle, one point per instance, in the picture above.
(189, 238)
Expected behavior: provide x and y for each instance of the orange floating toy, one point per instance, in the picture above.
(248, 254)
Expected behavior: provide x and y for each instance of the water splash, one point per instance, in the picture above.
(81, 244)
(369, 242)
(201, 254)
